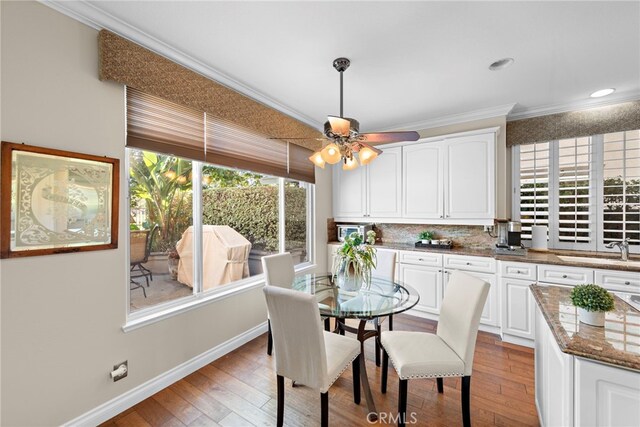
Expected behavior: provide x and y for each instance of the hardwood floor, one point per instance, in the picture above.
(239, 389)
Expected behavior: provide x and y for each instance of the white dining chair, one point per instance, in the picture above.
(448, 352)
(385, 270)
(279, 271)
(305, 353)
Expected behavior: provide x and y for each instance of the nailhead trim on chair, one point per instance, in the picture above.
(448, 374)
(340, 373)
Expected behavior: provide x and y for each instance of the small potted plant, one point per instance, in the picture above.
(355, 260)
(425, 237)
(592, 302)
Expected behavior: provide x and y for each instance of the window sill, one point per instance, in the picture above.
(195, 301)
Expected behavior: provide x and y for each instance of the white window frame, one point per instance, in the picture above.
(596, 189)
(200, 297)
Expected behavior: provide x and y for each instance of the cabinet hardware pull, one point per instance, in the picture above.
(441, 216)
(564, 276)
(468, 263)
(439, 271)
(627, 283)
(420, 259)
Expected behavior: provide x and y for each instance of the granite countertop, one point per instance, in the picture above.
(617, 343)
(548, 257)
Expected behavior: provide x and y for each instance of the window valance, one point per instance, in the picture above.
(574, 124)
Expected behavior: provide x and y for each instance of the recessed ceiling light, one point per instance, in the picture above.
(602, 92)
(501, 64)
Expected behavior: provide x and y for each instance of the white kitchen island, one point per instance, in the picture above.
(585, 375)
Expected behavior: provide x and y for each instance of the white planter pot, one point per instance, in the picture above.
(424, 242)
(593, 318)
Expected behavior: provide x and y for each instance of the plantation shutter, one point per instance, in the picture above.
(575, 194)
(621, 187)
(158, 125)
(230, 145)
(534, 186)
(300, 167)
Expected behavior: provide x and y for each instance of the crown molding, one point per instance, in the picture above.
(470, 116)
(90, 15)
(584, 104)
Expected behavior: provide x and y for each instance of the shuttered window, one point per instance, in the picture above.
(586, 190)
(574, 195)
(534, 186)
(161, 126)
(621, 187)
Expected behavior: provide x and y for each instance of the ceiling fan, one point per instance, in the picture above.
(345, 139)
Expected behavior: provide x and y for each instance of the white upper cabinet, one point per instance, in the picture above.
(449, 179)
(470, 172)
(422, 176)
(384, 184)
(349, 192)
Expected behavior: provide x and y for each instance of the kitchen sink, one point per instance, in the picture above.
(599, 261)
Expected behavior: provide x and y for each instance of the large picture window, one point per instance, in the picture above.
(208, 200)
(586, 190)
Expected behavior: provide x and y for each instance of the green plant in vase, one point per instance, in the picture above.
(355, 260)
(425, 237)
(592, 302)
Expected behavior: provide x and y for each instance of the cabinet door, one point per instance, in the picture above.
(606, 396)
(422, 181)
(349, 192)
(428, 282)
(470, 172)
(517, 308)
(384, 184)
(490, 312)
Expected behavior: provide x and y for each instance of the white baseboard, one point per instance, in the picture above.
(126, 400)
(525, 342)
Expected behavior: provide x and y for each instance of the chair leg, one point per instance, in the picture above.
(402, 402)
(327, 324)
(280, 400)
(324, 409)
(356, 380)
(378, 331)
(466, 410)
(269, 338)
(391, 322)
(385, 368)
(440, 385)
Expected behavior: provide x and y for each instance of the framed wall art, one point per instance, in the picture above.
(56, 201)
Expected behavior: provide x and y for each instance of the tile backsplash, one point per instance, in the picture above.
(469, 236)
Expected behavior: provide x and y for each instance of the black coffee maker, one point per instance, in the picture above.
(514, 231)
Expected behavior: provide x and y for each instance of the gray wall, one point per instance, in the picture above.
(61, 315)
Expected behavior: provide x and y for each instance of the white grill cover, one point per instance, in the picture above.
(225, 256)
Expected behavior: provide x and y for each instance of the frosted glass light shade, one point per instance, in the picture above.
(350, 164)
(331, 154)
(366, 155)
(316, 159)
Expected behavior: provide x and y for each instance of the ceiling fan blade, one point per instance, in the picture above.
(340, 126)
(384, 137)
(285, 138)
(359, 145)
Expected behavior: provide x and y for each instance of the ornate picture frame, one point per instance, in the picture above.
(55, 201)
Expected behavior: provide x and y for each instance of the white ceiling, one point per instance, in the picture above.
(411, 62)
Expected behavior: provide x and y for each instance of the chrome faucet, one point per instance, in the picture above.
(623, 246)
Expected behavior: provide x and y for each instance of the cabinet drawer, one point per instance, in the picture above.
(618, 280)
(518, 270)
(421, 258)
(564, 275)
(470, 263)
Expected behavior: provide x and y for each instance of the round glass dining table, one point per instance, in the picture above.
(377, 299)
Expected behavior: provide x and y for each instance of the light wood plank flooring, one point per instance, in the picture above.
(239, 389)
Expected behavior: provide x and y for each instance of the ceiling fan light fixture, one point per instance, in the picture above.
(367, 155)
(316, 159)
(350, 163)
(331, 154)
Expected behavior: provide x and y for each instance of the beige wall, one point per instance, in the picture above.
(61, 315)
(503, 163)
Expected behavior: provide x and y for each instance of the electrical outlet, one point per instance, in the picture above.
(120, 371)
(488, 228)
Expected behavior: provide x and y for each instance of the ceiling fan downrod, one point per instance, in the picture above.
(341, 64)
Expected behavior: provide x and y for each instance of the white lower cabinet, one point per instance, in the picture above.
(427, 281)
(517, 308)
(572, 391)
(606, 396)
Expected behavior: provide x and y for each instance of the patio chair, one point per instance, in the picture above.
(140, 248)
